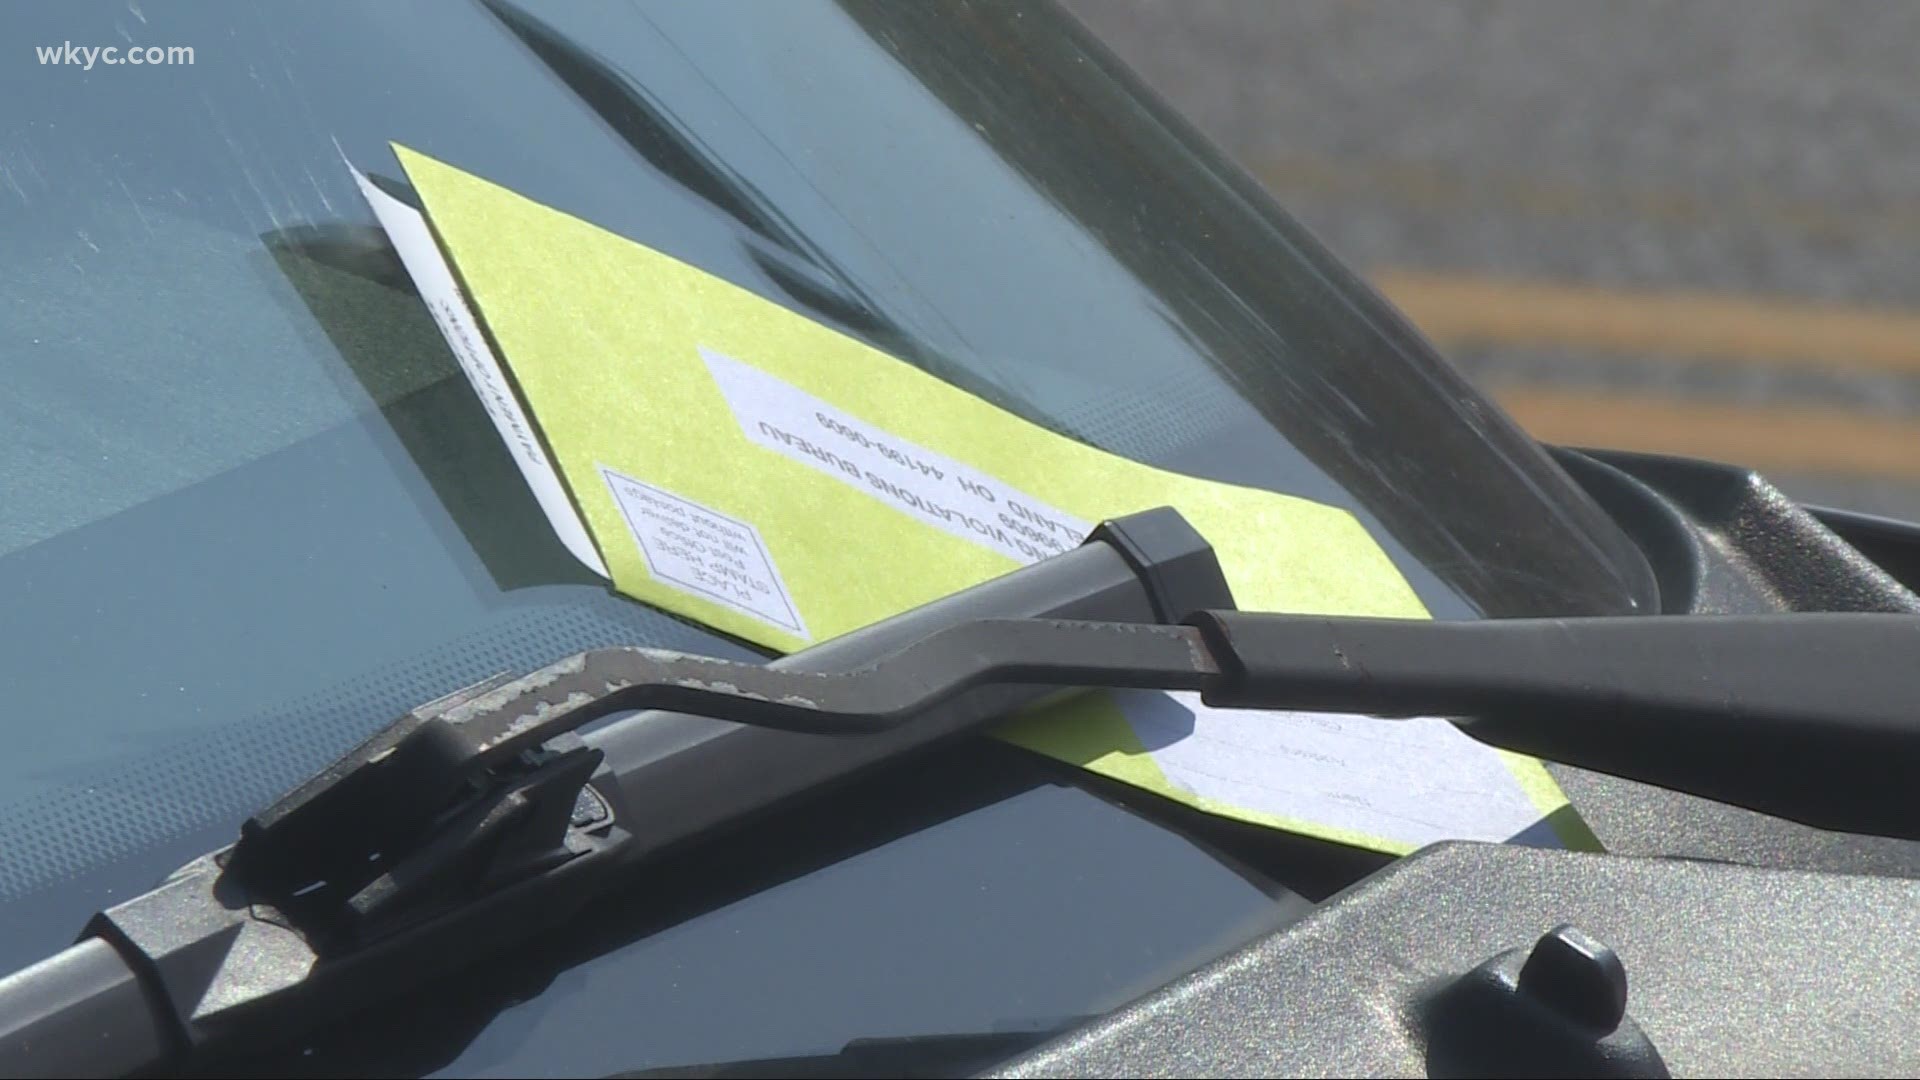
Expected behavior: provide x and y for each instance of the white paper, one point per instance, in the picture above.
(411, 238)
(936, 489)
(702, 551)
(1414, 781)
(1409, 781)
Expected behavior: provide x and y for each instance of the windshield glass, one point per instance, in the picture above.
(249, 511)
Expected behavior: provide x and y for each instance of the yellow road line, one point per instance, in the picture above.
(1466, 312)
(1771, 438)
(1441, 189)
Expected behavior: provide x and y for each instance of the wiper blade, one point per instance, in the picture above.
(1812, 716)
(474, 817)
(477, 820)
(1804, 716)
(324, 853)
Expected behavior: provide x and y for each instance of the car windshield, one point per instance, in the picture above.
(250, 511)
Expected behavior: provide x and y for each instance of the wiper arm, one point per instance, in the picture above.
(473, 818)
(1807, 716)
(1813, 716)
(325, 854)
(478, 820)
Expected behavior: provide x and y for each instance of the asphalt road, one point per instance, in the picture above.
(1684, 227)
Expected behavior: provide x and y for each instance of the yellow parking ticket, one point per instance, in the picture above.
(743, 466)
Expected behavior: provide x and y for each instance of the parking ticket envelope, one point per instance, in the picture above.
(744, 466)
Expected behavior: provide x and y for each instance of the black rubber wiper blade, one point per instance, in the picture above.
(478, 819)
(1813, 716)
(479, 816)
(1804, 716)
(322, 852)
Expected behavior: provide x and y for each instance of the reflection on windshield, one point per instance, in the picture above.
(248, 506)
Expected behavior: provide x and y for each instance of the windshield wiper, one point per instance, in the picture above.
(477, 818)
(431, 846)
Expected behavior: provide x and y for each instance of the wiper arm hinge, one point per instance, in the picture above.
(483, 785)
(482, 816)
(480, 812)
